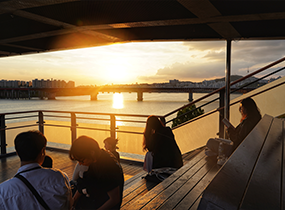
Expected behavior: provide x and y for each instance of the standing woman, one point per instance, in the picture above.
(159, 141)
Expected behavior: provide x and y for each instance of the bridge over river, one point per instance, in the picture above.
(51, 93)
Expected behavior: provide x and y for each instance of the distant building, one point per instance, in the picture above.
(52, 83)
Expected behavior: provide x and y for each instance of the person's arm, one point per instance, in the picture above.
(114, 199)
(70, 201)
(75, 199)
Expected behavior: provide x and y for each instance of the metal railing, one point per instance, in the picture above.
(72, 117)
(221, 98)
(111, 118)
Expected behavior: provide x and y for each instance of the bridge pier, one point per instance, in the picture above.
(140, 96)
(51, 96)
(93, 96)
(190, 96)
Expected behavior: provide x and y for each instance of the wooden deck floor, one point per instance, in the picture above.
(10, 165)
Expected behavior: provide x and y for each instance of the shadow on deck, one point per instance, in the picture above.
(252, 177)
(10, 165)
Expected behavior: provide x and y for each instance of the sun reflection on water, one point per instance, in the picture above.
(118, 101)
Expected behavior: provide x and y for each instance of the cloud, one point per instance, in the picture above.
(246, 56)
(187, 72)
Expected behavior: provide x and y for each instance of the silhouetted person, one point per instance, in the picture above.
(250, 116)
(48, 162)
(101, 186)
(159, 141)
(111, 146)
(52, 185)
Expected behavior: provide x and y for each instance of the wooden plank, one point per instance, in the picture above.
(134, 179)
(192, 189)
(227, 188)
(196, 203)
(138, 192)
(283, 168)
(133, 187)
(262, 193)
(186, 171)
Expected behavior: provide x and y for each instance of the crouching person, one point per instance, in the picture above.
(101, 186)
(34, 187)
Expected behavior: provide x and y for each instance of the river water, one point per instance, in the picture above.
(125, 103)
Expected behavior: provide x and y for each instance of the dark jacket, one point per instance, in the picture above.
(242, 130)
(166, 152)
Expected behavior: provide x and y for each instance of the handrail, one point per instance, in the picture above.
(221, 108)
(232, 83)
(73, 116)
(234, 90)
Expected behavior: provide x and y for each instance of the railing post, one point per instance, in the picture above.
(228, 80)
(162, 119)
(41, 122)
(222, 113)
(73, 127)
(113, 126)
(3, 134)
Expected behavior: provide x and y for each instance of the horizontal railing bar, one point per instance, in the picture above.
(193, 110)
(131, 121)
(78, 127)
(258, 71)
(199, 117)
(274, 72)
(98, 129)
(63, 126)
(208, 113)
(90, 118)
(245, 85)
(57, 116)
(131, 132)
(23, 126)
(24, 112)
(14, 118)
(94, 113)
(235, 82)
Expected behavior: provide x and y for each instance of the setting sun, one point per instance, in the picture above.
(118, 101)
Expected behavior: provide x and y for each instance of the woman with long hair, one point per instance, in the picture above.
(250, 116)
(160, 143)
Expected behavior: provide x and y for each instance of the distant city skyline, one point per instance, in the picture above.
(147, 62)
(53, 83)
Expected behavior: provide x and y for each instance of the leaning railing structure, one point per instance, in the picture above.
(189, 135)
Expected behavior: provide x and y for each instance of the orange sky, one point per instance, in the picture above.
(145, 62)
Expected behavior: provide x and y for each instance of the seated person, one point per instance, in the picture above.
(110, 145)
(47, 162)
(51, 184)
(102, 184)
(160, 143)
(250, 116)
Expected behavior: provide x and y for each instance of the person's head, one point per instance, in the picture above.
(85, 150)
(110, 144)
(152, 124)
(30, 146)
(248, 108)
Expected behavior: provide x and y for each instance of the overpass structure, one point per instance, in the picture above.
(51, 93)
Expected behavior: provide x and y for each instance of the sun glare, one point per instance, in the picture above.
(118, 70)
(118, 101)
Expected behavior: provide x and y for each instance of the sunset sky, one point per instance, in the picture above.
(144, 62)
